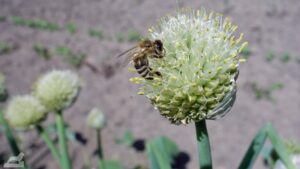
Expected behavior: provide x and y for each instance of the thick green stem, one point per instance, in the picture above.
(49, 143)
(99, 149)
(66, 164)
(204, 152)
(9, 136)
(99, 144)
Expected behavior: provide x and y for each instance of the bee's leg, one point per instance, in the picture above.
(157, 56)
(149, 78)
(157, 73)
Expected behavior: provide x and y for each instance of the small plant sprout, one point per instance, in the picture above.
(41, 51)
(3, 90)
(261, 92)
(120, 37)
(71, 28)
(34, 23)
(127, 138)
(96, 33)
(6, 47)
(198, 72)
(24, 112)
(270, 55)
(285, 57)
(75, 59)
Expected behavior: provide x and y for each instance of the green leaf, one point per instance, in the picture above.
(161, 151)
(256, 146)
(254, 149)
(69, 133)
(127, 138)
(279, 146)
(109, 164)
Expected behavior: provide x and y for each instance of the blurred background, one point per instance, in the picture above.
(40, 35)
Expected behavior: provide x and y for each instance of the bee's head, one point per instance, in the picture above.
(158, 45)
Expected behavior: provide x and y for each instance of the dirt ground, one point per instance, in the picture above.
(268, 25)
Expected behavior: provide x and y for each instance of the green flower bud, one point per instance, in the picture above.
(96, 119)
(3, 91)
(25, 111)
(57, 89)
(199, 69)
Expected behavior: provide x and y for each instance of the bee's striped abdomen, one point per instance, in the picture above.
(142, 67)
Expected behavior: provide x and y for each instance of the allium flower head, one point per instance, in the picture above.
(199, 69)
(57, 89)
(25, 111)
(96, 119)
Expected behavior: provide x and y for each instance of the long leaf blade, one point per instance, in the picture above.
(160, 152)
(254, 149)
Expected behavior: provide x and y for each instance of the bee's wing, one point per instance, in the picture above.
(127, 51)
(128, 54)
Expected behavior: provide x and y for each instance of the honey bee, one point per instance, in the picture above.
(140, 54)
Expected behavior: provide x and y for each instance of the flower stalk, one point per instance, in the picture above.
(204, 152)
(99, 144)
(10, 138)
(8, 134)
(44, 135)
(99, 148)
(65, 159)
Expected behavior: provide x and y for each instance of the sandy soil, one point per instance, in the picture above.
(269, 24)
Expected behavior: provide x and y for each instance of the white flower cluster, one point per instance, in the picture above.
(199, 69)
